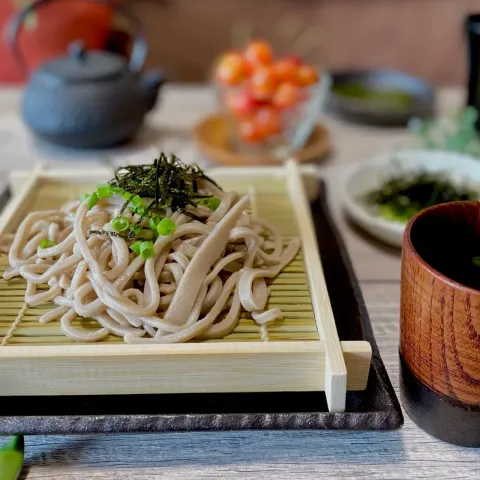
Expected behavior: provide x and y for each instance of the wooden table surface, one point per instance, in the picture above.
(408, 453)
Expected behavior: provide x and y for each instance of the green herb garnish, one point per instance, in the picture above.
(211, 202)
(136, 247)
(146, 249)
(47, 243)
(153, 222)
(120, 224)
(104, 191)
(92, 200)
(166, 227)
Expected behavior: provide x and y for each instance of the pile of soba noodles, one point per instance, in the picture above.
(160, 254)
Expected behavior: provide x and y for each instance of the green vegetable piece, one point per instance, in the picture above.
(120, 224)
(211, 202)
(84, 196)
(92, 200)
(116, 189)
(166, 227)
(104, 191)
(476, 261)
(137, 201)
(127, 196)
(140, 210)
(138, 231)
(214, 203)
(47, 243)
(153, 222)
(136, 247)
(146, 249)
(11, 458)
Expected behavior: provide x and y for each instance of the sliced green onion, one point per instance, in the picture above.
(136, 247)
(138, 231)
(127, 196)
(166, 227)
(214, 203)
(211, 202)
(120, 224)
(92, 200)
(137, 201)
(140, 210)
(116, 189)
(104, 190)
(146, 249)
(47, 243)
(84, 196)
(153, 222)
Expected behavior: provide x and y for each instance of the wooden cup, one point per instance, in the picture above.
(440, 322)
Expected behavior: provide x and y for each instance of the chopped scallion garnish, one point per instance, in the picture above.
(92, 200)
(166, 227)
(136, 247)
(153, 222)
(211, 202)
(146, 249)
(137, 201)
(104, 190)
(120, 224)
(47, 243)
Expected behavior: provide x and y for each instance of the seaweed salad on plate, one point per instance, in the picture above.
(404, 193)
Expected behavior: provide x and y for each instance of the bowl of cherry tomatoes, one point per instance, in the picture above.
(271, 103)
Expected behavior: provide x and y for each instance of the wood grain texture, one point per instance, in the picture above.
(335, 371)
(440, 318)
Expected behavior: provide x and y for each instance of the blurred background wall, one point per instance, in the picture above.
(422, 37)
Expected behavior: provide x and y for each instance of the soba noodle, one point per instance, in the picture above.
(190, 282)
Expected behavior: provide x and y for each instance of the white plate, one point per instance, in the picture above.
(362, 179)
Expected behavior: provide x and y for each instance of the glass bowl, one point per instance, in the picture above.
(283, 130)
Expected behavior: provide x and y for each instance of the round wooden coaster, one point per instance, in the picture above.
(212, 135)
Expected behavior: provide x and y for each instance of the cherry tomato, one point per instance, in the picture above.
(268, 122)
(286, 96)
(306, 75)
(231, 69)
(258, 53)
(263, 83)
(241, 104)
(249, 132)
(285, 70)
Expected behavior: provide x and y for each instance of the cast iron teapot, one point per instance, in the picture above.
(88, 99)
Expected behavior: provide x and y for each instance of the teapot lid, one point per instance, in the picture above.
(81, 66)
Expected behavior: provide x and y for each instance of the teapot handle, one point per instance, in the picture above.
(139, 47)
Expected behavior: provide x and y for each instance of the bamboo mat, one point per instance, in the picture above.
(289, 290)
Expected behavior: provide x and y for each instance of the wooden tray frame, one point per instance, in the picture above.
(193, 367)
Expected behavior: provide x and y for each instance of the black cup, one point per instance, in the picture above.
(472, 26)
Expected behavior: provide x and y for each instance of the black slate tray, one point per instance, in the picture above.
(376, 408)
